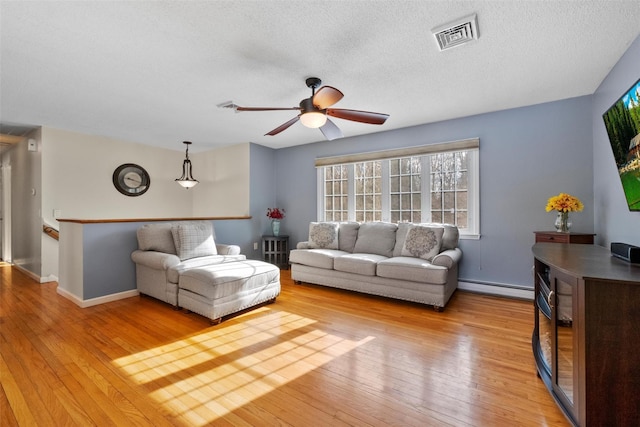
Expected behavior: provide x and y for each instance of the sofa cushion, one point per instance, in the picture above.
(401, 235)
(412, 269)
(194, 239)
(174, 272)
(376, 238)
(422, 242)
(323, 235)
(347, 236)
(156, 237)
(321, 258)
(229, 279)
(358, 263)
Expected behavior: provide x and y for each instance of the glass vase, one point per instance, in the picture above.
(275, 227)
(563, 223)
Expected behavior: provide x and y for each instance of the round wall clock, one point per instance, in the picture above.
(131, 179)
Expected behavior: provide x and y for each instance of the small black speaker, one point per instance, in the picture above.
(626, 252)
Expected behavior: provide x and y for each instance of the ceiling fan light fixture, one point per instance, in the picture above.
(313, 119)
(186, 180)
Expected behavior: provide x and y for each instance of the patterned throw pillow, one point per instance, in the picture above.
(194, 240)
(423, 242)
(323, 235)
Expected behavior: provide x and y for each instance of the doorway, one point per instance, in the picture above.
(5, 213)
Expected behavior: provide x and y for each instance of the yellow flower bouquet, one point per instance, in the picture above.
(564, 202)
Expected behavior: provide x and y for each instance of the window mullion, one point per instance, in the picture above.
(320, 200)
(351, 192)
(426, 188)
(385, 188)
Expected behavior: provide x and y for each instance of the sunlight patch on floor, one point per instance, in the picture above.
(208, 375)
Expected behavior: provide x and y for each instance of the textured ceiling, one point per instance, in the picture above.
(154, 72)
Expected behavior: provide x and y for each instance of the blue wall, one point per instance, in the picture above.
(613, 220)
(107, 265)
(526, 155)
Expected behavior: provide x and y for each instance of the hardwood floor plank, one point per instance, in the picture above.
(318, 356)
(25, 362)
(7, 418)
(19, 403)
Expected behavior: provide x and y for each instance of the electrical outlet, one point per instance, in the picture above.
(57, 213)
(255, 246)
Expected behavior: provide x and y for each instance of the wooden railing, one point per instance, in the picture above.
(51, 232)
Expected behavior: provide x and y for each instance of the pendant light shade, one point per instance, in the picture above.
(313, 119)
(187, 180)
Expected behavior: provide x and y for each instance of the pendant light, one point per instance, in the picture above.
(311, 116)
(186, 180)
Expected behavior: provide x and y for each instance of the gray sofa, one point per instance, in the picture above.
(413, 262)
(181, 264)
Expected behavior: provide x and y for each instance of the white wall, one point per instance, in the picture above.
(77, 173)
(224, 177)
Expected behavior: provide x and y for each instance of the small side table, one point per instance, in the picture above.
(559, 237)
(275, 250)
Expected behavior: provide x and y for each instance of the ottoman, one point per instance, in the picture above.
(218, 290)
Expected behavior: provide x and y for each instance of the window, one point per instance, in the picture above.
(431, 184)
(368, 192)
(449, 176)
(405, 189)
(335, 193)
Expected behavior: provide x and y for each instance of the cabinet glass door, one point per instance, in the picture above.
(543, 318)
(565, 331)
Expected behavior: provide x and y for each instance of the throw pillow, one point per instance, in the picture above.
(323, 235)
(376, 238)
(156, 237)
(449, 238)
(401, 235)
(194, 240)
(423, 242)
(347, 236)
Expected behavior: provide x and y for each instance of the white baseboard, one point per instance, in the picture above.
(39, 279)
(68, 295)
(497, 289)
(49, 278)
(99, 300)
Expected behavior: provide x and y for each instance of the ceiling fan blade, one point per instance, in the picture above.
(265, 108)
(330, 130)
(326, 96)
(283, 126)
(358, 116)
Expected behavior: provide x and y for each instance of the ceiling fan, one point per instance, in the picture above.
(315, 109)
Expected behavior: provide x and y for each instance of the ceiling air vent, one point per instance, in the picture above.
(228, 104)
(457, 33)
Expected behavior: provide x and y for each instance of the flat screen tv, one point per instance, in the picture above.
(622, 121)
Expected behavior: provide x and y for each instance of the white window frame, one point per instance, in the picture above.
(473, 190)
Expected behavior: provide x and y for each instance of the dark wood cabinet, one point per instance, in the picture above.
(275, 250)
(586, 338)
(558, 237)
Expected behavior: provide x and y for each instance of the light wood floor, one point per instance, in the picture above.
(317, 357)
